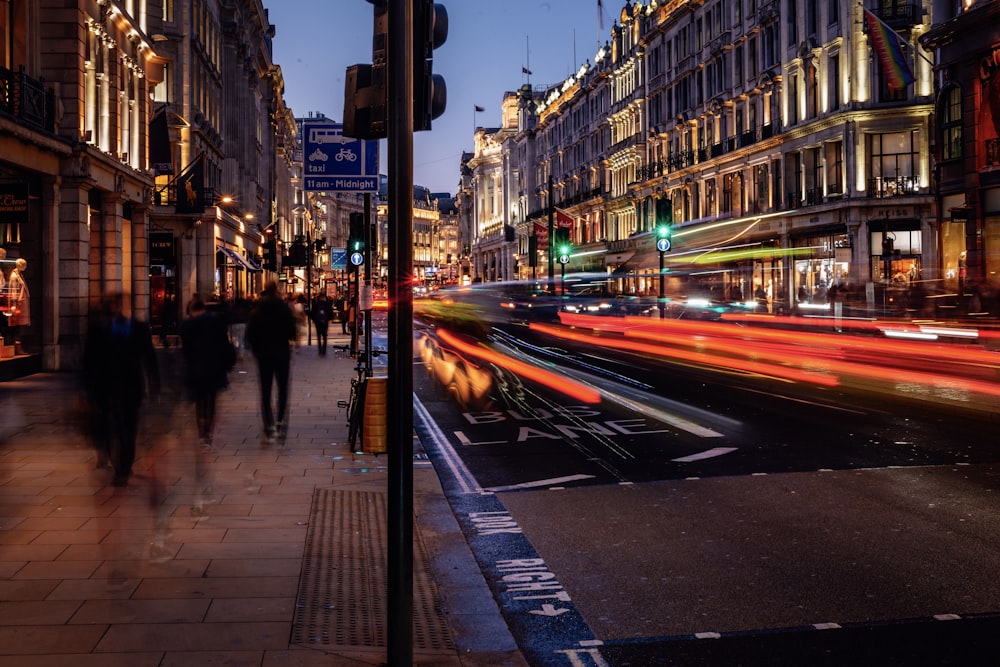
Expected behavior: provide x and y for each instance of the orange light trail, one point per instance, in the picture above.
(539, 375)
(756, 367)
(807, 349)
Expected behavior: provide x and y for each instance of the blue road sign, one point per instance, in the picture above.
(335, 163)
(663, 245)
(338, 258)
(357, 259)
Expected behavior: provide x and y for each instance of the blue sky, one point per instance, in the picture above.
(489, 41)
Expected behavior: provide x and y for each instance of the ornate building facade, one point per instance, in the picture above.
(109, 110)
(224, 168)
(765, 132)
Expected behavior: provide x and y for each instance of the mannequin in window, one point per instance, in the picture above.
(4, 334)
(18, 313)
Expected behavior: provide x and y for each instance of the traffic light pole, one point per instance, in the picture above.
(663, 289)
(552, 240)
(400, 354)
(369, 249)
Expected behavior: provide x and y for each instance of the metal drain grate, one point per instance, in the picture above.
(342, 591)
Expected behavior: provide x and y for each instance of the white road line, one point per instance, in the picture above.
(538, 483)
(707, 454)
(462, 474)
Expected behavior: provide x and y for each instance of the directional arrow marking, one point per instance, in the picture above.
(548, 610)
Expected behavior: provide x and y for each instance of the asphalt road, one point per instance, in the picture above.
(691, 517)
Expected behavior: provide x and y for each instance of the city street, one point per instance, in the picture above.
(751, 523)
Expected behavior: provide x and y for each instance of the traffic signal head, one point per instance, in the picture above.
(662, 231)
(430, 95)
(270, 255)
(366, 93)
(356, 242)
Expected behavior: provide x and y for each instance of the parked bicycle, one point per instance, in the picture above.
(355, 404)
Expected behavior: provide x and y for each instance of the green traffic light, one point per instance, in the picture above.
(663, 231)
(564, 250)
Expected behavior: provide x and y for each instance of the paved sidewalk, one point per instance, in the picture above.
(276, 557)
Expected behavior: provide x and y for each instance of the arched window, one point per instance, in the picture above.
(951, 123)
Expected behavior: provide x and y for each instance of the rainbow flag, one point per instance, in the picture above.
(893, 63)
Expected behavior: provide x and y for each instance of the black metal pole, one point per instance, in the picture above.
(309, 287)
(552, 240)
(400, 356)
(369, 250)
(663, 285)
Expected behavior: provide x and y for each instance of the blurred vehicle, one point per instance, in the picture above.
(380, 300)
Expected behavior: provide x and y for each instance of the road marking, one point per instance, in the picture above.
(538, 483)
(548, 610)
(707, 454)
(578, 658)
(826, 626)
(461, 473)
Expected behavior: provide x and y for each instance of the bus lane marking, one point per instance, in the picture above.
(538, 483)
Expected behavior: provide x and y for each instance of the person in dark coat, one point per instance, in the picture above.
(208, 357)
(119, 369)
(270, 333)
(321, 314)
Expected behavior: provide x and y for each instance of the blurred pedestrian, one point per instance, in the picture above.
(120, 369)
(238, 325)
(343, 306)
(298, 306)
(270, 332)
(208, 357)
(321, 313)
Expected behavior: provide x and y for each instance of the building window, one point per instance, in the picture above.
(951, 124)
(895, 161)
(835, 168)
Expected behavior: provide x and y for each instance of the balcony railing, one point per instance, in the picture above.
(893, 187)
(26, 99)
(899, 15)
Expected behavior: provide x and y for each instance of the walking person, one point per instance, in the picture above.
(208, 357)
(321, 314)
(271, 330)
(344, 306)
(119, 369)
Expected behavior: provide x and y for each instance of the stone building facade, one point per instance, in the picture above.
(765, 133)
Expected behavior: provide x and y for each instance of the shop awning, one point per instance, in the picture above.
(239, 260)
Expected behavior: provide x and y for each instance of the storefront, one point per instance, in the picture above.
(822, 262)
(20, 267)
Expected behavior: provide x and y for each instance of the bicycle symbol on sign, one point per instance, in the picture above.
(346, 154)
